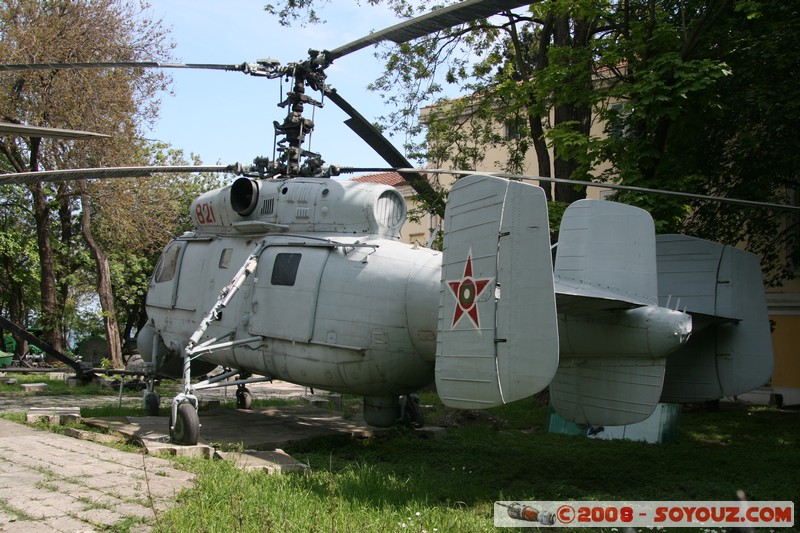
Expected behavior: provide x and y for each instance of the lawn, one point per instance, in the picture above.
(59, 387)
(401, 482)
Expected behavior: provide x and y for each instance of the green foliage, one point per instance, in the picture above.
(706, 110)
(289, 13)
(693, 96)
(19, 259)
(555, 212)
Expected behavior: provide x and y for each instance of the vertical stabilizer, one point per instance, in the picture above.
(498, 332)
(607, 249)
(612, 333)
(730, 351)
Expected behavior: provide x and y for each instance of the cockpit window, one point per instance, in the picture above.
(225, 258)
(284, 271)
(168, 264)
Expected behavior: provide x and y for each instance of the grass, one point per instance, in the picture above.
(401, 482)
(58, 387)
(16, 513)
(398, 481)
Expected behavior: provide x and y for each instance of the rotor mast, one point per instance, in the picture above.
(295, 126)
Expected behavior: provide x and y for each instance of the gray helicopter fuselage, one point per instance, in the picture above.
(335, 301)
(352, 310)
(359, 320)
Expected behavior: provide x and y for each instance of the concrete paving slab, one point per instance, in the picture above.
(48, 483)
(51, 482)
(272, 462)
(265, 428)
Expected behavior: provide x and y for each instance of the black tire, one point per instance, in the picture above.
(187, 426)
(244, 400)
(151, 403)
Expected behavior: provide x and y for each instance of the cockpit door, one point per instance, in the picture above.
(285, 294)
(164, 283)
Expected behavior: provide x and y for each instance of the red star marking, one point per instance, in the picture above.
(467, 290)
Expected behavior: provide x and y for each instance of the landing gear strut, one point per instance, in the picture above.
(184, 424)
(410, 412)
(386, 411)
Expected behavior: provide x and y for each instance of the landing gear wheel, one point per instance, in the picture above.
(151, 403)
(186, 427)
(244, 400)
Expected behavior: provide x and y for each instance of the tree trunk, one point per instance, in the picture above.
(104, 290)
(574, 34)
(64, 257)
(534, 118)
(542, 153)
(47, 281)
(564, 168)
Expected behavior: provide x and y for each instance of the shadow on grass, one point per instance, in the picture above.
(402, 482)
(753, 449)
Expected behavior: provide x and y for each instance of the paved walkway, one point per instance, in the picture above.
(51, 482)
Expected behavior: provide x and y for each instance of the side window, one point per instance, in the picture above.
(225, 258)
(284, 271)
(168, 264)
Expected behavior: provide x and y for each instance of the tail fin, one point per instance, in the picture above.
(607, 250)
(606, 285)
(498, 332)
(730, 351)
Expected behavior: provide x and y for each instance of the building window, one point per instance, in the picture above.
(513, 129)
(606, 194)
(618, 126)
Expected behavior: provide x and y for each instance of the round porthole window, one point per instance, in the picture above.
(390, 209)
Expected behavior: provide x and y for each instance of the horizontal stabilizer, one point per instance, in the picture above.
(607, 391)
(730, 351)
(498, 332)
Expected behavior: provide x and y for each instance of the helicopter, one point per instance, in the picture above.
(290, 273)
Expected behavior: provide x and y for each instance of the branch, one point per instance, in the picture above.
(706, 21)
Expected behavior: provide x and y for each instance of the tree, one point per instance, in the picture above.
(19, 260)
(693, 95)
(706, 109)
(132, 220)
(110, 101)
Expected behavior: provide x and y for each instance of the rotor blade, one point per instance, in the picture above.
(368, 132)
(53, 176)
(434, 21)
(614, 186)
(56, 133)
(120, 64)
(375, 139)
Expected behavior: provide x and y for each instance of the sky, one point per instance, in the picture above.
(226, 117)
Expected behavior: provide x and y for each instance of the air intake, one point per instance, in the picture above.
(244, 196)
